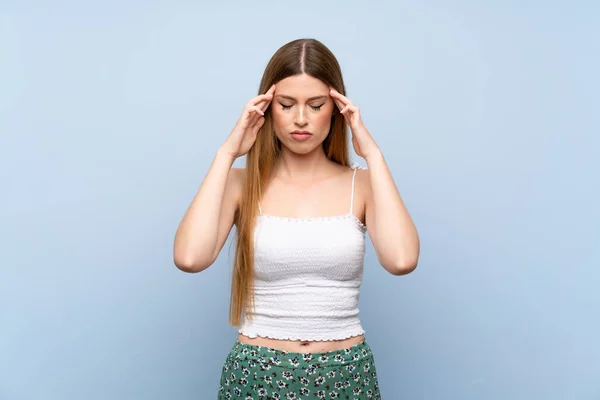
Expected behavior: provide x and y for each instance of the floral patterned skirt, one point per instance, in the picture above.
(255, 372)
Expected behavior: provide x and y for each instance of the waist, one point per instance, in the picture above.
(299, 346)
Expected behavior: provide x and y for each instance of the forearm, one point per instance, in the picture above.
(196, 236)
(394, 234)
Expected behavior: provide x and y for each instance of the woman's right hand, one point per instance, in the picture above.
(242, 137)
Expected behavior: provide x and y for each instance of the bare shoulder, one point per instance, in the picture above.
(363, 178)
(362, 190)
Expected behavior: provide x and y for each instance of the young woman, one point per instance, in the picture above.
(301, 211)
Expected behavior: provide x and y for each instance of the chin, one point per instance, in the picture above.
(301, 148)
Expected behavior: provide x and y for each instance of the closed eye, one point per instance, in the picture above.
(286, 107)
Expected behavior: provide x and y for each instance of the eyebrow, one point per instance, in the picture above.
(310, 99)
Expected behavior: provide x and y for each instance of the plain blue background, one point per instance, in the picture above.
(487, 113)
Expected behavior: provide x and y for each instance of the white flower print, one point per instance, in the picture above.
(287, 375)
(294, 362)
(256, 372)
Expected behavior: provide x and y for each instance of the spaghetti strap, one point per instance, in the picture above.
(259, 209)
(352, 195)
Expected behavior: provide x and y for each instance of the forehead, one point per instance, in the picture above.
(301, 86)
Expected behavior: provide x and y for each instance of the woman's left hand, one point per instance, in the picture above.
(361, 138)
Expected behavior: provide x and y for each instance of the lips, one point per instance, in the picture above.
(301, 135)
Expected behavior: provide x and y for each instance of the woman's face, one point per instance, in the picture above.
(301, 110)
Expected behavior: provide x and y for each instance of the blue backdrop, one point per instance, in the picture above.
(487, 113)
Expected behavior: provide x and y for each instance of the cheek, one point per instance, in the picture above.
(323, 120)
(279, 117)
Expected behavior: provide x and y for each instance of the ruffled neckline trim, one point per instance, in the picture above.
(350, 216)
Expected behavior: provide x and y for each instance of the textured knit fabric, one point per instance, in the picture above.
(308, 274)
(252, 372)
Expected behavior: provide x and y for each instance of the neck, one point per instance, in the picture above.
(301, 167)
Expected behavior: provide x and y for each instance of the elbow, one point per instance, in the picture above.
(404, 266)
(188, 258)
(190, 265)
(407, 261)
(187, 267)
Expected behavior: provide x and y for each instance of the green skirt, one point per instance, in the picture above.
(256, 372)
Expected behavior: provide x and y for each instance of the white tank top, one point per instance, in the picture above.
(308, 274)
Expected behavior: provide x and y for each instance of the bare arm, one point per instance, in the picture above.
(208, 221)
(390, 226)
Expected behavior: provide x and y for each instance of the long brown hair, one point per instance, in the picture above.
(308, 56)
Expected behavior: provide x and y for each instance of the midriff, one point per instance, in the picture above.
(298, 346)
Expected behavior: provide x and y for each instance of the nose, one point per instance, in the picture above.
(300, 117)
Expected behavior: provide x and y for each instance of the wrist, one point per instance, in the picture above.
(225, 155)
(373, 155)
